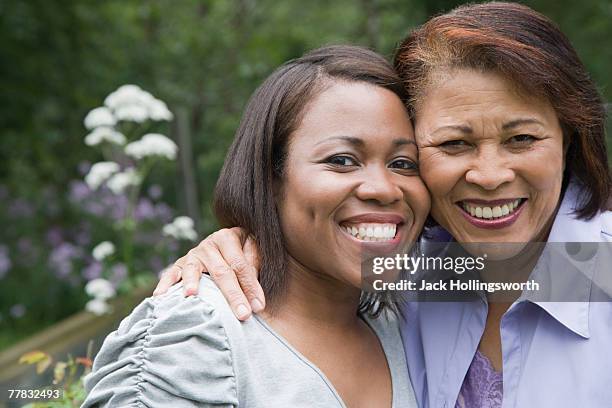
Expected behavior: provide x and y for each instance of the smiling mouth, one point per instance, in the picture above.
(368, 232)
(497, 210)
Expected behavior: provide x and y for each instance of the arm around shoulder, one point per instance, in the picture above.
(170, 351)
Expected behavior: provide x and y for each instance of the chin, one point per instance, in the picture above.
(495, 251)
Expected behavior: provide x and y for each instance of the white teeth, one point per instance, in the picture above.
(505, 210)
(491, 212)
(372, 231)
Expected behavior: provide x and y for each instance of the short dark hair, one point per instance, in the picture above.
(530, 50)
(244, 195)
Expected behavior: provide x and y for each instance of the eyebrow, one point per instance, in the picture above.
(506, 126)
(356, 141)
(518, 122)
(461, 128)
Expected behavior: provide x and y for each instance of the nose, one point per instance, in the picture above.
(489, 169)
(379, 185)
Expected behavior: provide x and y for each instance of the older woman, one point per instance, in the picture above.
(510, 131)
(337, 117)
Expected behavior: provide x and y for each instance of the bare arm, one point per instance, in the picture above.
(230, 256)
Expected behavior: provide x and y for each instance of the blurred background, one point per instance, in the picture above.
(200, 60)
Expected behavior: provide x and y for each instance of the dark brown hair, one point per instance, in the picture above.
(531, 51)
(244, 195)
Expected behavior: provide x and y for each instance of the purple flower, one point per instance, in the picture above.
(21, 208)
(144, 210)
(118, 273)
(95, 208)
(155, 191)
(54, 236)
(163, 212)
(17, 311)
(78, 191)
(5, 261)
(119, 207)
(60, 259)
(92, 271)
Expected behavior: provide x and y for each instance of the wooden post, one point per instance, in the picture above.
(185, 154)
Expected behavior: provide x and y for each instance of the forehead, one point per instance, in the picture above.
(353, 109)
(464, 95)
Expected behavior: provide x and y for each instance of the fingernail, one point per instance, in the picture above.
(256, 305)
(242, 311)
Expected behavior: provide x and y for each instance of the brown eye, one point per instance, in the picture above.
(454, 143)
(522, 139)
(403, 164)
(342, 161)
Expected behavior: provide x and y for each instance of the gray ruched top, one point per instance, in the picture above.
(173, 351)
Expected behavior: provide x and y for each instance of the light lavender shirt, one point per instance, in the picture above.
(555, 354)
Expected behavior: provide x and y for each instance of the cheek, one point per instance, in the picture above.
(440, 173)
(307, 199)
(418, 199)
(542, 169)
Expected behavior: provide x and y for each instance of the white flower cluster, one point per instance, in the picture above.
(99, 173)
(99, 117)
(131, 103)
(128, 103)
(120, 181)
(103, 250)
(100, 290)
(104, 134)
(152, 144)
(181, 228)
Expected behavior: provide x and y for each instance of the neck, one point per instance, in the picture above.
(316, 299)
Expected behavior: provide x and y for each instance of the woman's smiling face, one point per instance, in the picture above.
(350, 181)
(492, 158)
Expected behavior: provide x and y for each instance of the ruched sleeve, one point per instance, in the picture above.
(170, 351)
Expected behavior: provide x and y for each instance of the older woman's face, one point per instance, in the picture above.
(351, 181)
(492, 158)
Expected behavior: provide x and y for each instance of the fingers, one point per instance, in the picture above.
(230, 245)
(168, 278)
(192, 272)
(249, 281)
(251, 253)
(225, 278)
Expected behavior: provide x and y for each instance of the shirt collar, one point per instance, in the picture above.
(567, 227)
